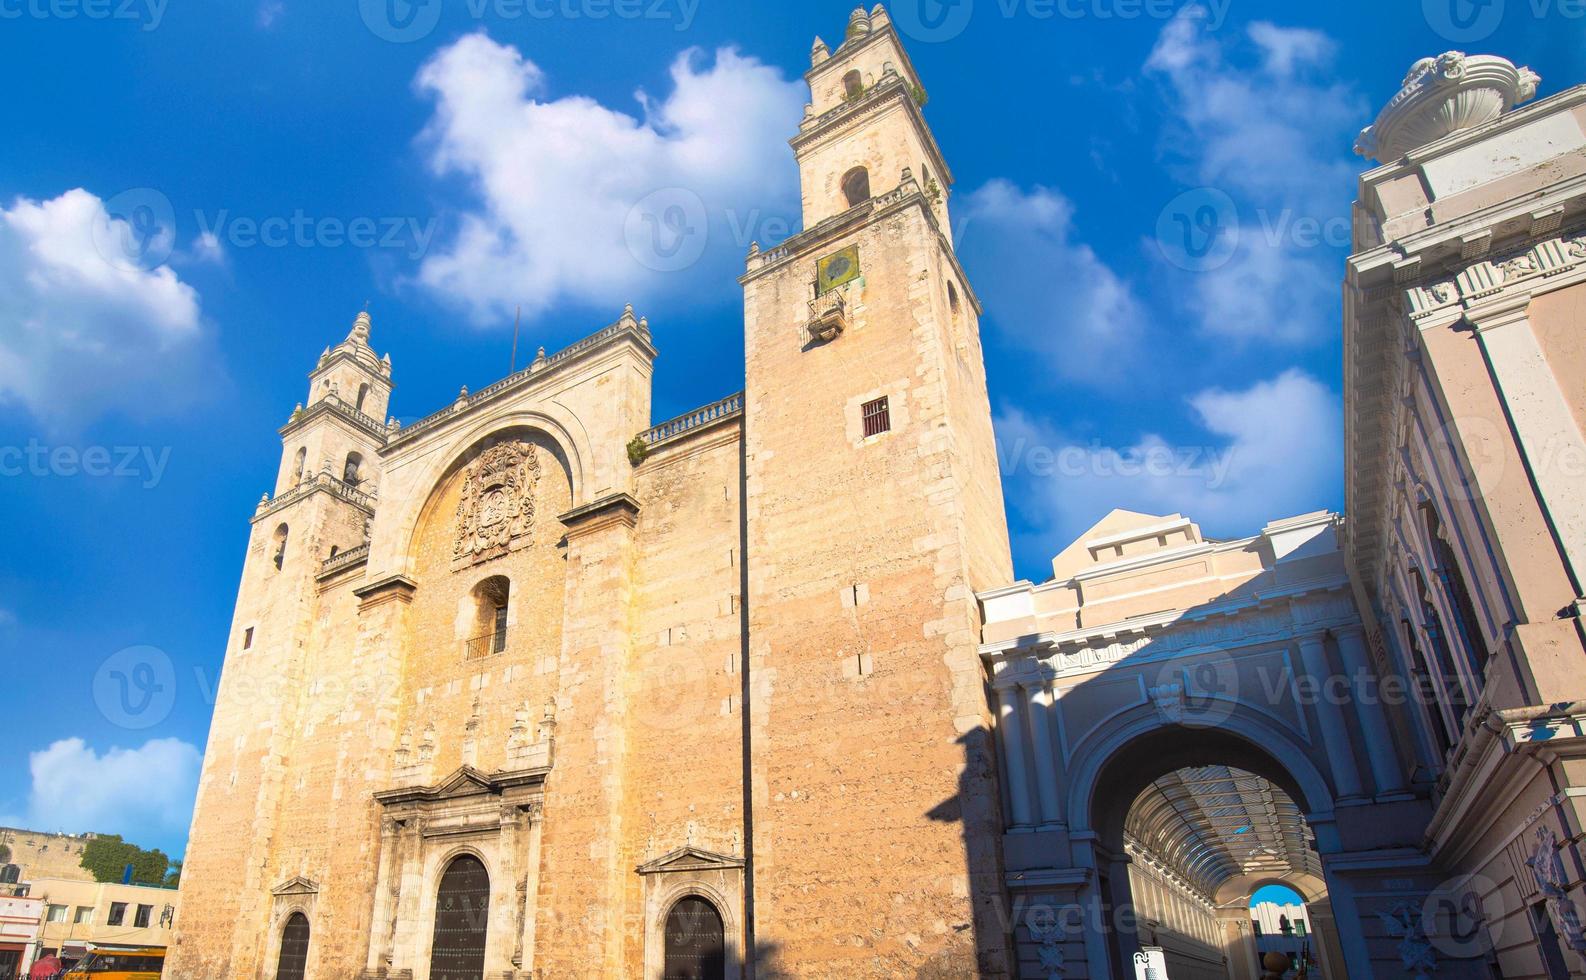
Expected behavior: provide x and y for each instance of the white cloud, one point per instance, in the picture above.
(144, 794)
(269, 12)
(83, 331)
(1043, 289)
(207, 249)
(1263, 123)
(557, 178)
(1272, 450)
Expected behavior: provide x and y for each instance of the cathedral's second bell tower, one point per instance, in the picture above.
(874, 515)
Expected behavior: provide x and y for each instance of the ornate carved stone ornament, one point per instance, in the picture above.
(1403, 922)
(1554, 886)
(1444, 95)
(496, 512)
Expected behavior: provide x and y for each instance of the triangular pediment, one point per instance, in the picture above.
(689, 859)
(466, 781)
(296, 885)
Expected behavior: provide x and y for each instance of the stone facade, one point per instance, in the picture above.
(27, 854)
(753, 684)
(535, 631)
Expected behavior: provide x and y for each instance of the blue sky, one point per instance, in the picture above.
(1152, 202)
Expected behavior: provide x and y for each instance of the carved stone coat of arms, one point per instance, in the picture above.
(497, 505)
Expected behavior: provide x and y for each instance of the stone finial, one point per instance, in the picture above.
(878, 16)
(427, 745)
(547, 730)
(1440, 96)
(359, 334)
(264, 501)
(819, 52)
(539, 359)
(462, 397)
(858, 23)
(627, 315)
(385, 364)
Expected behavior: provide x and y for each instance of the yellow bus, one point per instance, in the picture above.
(119, 964)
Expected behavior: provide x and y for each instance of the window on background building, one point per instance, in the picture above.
(140, 919)
(118, 913)
(1457, 592)
(10, 874)
(877, 417)
(84, 916)
(56, 913)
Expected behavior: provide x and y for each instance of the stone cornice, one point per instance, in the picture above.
(812, 241)
(389, 588)
(336, 408)
(317, 482)
(626, 330)
(1277, 615)
(894, 88)
(617, 508)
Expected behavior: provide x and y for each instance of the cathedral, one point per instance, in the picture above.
(537, 688)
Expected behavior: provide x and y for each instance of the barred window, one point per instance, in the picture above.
(877, 417)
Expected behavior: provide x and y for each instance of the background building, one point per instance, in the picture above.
(78, 916)
(27, 854)
(20, 920)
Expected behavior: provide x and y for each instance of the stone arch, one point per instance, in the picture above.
(1243, 735)
(725, 908)
(569, 449)
(435, 867)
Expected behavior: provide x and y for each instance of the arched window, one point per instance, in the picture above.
(491, 599)
(952, 297)
(352, 471)
(363, 392)
(293, 961)
(856, 186)
(462, 913)
(10, 874)
(853, 85)
(297, 467)
(695, 946)
(280, 546)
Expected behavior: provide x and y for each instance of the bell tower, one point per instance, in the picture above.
(874, 515)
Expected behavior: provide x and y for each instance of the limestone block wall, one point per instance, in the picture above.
(863, 628)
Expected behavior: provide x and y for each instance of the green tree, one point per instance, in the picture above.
(173, 877)
(106, 857)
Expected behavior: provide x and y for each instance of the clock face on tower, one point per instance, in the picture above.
(837, 269)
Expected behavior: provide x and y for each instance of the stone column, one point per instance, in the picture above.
(529, 888)
(582, 930)
(387, 880)
(1543, 423)
(1011, 733)
(1038, 701)
(1330, 718)
(1386, 772)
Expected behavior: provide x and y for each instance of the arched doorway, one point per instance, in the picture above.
(695, 942)
(293, 961)
(462, 910)
(1189, 823)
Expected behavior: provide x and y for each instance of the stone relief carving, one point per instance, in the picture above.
(1046, 928)
(1552, 883)
(1517, 266)
(497, 505)
(1403, 922)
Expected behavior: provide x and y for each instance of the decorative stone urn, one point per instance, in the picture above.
(1445, 95)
